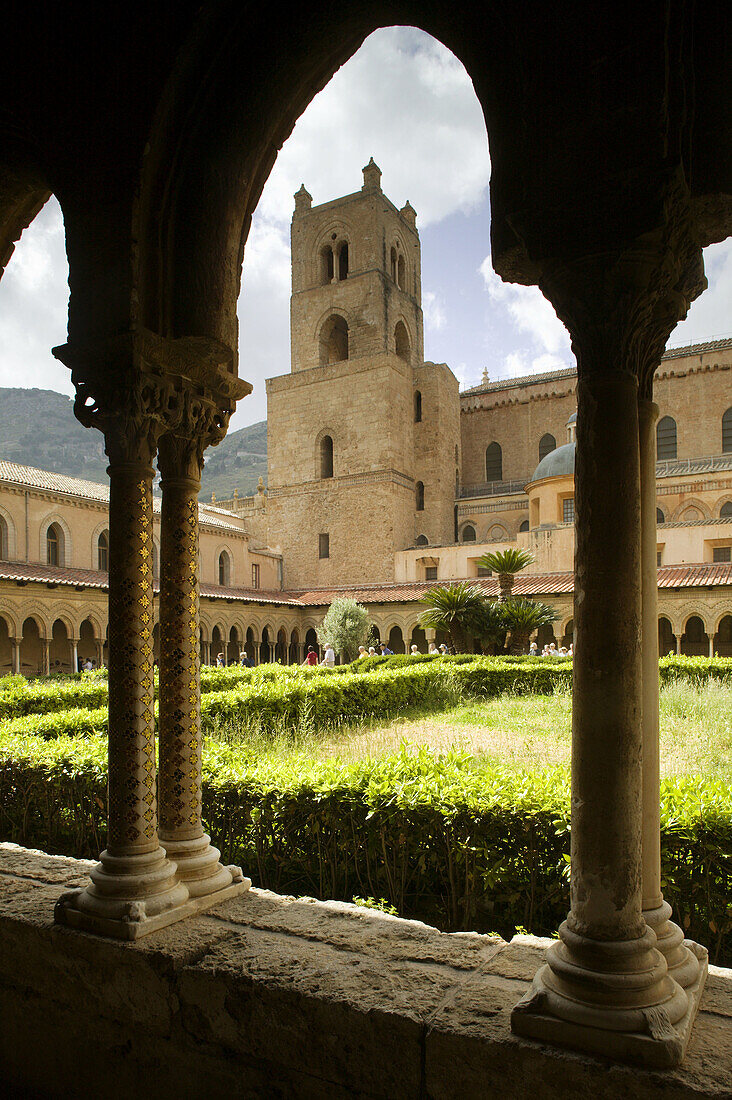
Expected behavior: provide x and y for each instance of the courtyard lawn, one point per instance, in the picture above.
(535, 731)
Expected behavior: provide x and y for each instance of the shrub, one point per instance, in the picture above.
(441, 838)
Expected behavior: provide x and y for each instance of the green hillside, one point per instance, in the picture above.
(38, 428)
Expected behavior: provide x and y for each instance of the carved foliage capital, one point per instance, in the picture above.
(620, 307)
(202, 422)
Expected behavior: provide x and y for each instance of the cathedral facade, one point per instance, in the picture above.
(383, 479)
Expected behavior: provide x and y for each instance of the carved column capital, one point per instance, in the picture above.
(621, 306)
(201, 422)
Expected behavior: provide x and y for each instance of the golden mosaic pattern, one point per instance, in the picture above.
(132, 780)
(180, 701)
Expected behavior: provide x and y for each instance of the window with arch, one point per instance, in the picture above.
(666, 438)
(326, 265)
(421, 540)
(547, 444)
(343, 260)
(417, 407)
(54, 545)
(468, 533)
(334, 340)
(660, 517)
(103, 552)
(493, 462)
(326, 457)
(394, 264)
(401, 273)
(401, 341)
(727, 431)
(224, 569)
(524, 526)
(419, 493)
(725, 512)
(4, 539)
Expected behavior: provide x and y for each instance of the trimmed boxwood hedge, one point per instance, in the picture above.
(461, 844)
(478, 675)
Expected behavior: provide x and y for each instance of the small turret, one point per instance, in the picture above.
(371, 177)
(409, 214)
(303, 201)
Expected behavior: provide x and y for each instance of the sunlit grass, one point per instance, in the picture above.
(520, 730)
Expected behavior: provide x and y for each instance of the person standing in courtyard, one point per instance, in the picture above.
(311, 658)
(329, 656)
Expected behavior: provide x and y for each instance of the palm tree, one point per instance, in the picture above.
(506, 563)
(453, 608)
(522, 617)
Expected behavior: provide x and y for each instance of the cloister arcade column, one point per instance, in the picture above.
(605, 987)
(202, 421)
(124, 390)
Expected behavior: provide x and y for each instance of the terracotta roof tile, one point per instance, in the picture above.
(47, 481)
(698, 575)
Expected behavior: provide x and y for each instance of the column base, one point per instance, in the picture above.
(199, 867)
(130, 897)
(683, 957)
(601, 1010)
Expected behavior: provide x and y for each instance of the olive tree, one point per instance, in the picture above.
(346, 626)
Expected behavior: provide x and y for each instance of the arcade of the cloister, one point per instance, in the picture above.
(609, 176)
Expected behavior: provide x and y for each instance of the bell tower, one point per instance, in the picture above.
(344, 493)
(356, 278)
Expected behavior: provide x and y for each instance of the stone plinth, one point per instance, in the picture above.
(269, 996)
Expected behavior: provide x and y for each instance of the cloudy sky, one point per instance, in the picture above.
(407, 101)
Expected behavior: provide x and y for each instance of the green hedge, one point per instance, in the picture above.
(480, 675)
(459, 844)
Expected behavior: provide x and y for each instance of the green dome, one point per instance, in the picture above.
(558, 463)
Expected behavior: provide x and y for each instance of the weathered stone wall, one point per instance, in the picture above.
(269, 996)
(437, 450)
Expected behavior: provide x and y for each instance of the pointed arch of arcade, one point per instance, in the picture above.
(723, 634)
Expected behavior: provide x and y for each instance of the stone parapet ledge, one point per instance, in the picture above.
(270, 996)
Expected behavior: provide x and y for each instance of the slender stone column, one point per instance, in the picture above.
(681, 958)
(181, 830)
(134, 887)
(677, 638)
(74, 654)
(711, 645)
(15, 643)
(99, 646)
(605, 987)
(46, 650)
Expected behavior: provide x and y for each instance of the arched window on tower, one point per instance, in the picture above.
(547, 444)
(394, 264)
(494, 462)
(326, 265)
(333, 340)
(727, 431)
(401, 273)
(326, 457)
(343, 260)
(421, 540)
(54, 545)
(666, 438)
(419, 489)
(417, 407)
(401, 341)
(224, 569)
(103, 552)
(524, 526)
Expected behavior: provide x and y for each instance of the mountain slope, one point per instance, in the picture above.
(38, 428)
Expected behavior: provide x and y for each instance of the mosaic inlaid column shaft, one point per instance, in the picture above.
(181, 826)
(132, 825)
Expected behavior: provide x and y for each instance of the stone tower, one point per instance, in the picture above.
(363, 435)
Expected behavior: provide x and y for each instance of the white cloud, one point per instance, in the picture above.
(710, 316)
(434, 312)
(34, 297)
